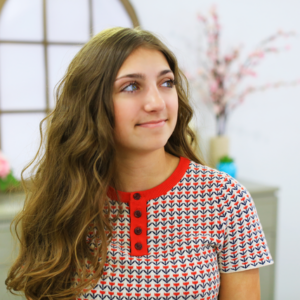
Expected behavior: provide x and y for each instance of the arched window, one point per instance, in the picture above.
(38, 39)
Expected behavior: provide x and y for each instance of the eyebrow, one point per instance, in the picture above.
(142, 76)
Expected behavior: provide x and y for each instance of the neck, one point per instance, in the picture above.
(145, 171)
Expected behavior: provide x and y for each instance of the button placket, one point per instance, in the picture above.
(138, 228)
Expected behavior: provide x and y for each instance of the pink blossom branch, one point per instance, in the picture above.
(221, 81)
(250, 89)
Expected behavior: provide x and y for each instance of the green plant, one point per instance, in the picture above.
(226, 159)
(9, 183)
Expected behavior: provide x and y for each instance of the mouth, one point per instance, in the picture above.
(153, 124)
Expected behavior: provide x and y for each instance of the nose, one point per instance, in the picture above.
(154, 100)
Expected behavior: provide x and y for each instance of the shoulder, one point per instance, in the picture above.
(215, 183)
(210, 175)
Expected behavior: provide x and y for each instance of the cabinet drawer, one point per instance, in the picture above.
(267, 273)
(267, 211)
(7, 256)
(8, 251)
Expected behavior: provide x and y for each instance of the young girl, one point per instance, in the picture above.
(119, 179)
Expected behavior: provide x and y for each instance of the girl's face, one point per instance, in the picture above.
(145, 102)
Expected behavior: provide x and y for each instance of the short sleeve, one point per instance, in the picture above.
(244, 245)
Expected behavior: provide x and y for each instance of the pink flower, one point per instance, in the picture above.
(217, 109)
(213, 87)
(211, 38)
(201, 18)
(241, 99)
(228, 58)
(213, 10)
(4, 166)
(259, 54)
(218, 26)
(271, 49)
(249, 72)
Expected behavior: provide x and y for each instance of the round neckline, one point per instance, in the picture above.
(158, 190)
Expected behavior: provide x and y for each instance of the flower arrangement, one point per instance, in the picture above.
(7, 180)
(222, 80)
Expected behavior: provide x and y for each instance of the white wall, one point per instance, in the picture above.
(264, 131)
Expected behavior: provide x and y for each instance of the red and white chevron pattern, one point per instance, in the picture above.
(205, 224)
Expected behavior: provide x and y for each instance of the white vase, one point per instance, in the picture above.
(219, 147)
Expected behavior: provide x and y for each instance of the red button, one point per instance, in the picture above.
(137, 230)
(136, 196)
(137, 214)
(138, 246)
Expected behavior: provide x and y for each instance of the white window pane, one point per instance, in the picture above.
(22, 20)
(67, 20)
(22, 77)
(108, 14)
(59, 58)
(20, 139)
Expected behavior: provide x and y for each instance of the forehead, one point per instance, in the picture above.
(144, 59)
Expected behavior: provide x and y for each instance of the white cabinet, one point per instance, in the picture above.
(9, 205)
(266, 202)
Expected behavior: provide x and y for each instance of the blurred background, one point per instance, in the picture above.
(39, 38)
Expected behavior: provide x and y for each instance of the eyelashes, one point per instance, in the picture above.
(171, 82)
(133, 86)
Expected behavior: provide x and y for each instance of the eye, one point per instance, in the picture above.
(130, 88)
(169, 83)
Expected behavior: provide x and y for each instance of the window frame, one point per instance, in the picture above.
(45, 43)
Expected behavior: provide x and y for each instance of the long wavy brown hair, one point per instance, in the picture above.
(74, 167)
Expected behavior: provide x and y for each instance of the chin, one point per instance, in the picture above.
(154, 145)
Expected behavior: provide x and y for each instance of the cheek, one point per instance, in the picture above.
(173, 108)
(124, 113)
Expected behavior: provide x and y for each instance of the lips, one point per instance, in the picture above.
(152, 122)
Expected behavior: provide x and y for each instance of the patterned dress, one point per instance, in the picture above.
(174, 240)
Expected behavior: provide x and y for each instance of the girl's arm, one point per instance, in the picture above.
(242, 285)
